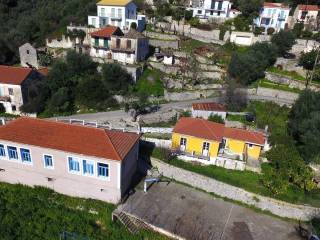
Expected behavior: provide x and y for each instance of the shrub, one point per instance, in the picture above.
(133, 25)
(194, 21)
(215, 118)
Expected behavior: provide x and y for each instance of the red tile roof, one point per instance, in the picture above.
(275, 5)
(201, 128)
(13, 75)
(105, 32)
(209, 107)
(44, 71)
(89, 141)
(303, 7)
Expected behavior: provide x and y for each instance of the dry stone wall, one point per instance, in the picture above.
(279, 208)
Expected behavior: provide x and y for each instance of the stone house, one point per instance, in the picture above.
(71, 159)
(14, 85)
(131, 48)
(28, 56)
(119, 13)
(308, 15)
(101, 41)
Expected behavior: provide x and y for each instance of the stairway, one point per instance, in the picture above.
(131, 223)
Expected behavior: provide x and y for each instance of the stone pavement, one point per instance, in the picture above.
(192, 214)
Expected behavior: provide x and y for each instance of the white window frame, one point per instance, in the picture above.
(44, 162)
(5, 157)
(94, 168)
(13, 159)
(73, 171)
(102, 177)
(25, 162)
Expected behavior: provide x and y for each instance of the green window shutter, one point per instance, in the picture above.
(105, 44)
(96, 41)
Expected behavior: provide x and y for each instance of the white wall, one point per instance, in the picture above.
(15, 99)
(206, 114)
(273, 14)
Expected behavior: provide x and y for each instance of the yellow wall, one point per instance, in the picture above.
(195, 144)
(235, 146)
(239, 147)
(254, 151)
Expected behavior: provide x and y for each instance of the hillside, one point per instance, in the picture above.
(34, 20)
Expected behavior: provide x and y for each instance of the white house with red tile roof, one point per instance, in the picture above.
(101, 41)
(205, 110)
(119, 13)
(273, 15)
(14, 85)
(75, 160)
(307, 14)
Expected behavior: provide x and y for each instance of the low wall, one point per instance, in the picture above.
(161, 36)
(210, 185)
(273, 77)
(172, 44)
(156, 130)
(190, 95)
(160, 143)
(277, 94)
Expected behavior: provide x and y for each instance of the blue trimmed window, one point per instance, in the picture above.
(25, 155)
(74, 165)
(103, 170)
(48, 161)
(12, 152)
(2, 151)
(88, 167)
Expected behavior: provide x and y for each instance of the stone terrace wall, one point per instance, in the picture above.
(274, 206)
(172, 44)
(273, 77)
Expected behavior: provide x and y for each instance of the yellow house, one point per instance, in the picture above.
(208, 140)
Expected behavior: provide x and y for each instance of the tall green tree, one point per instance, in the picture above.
(304, 125)
(115, 78)
(249, 8)
(283, 40)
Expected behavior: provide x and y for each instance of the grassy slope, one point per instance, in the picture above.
(40, 213)
(154, 88)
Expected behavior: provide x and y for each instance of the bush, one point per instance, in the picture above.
(215, 118)
(194, 21)
(297, 29)
(133, 25)
(270, 31)
(283, 40)
(188, 14)
(259, 30)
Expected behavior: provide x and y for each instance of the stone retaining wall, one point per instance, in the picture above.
(207, 184)
(277, 94)
(273, 77)
(161, 36)
(172, 44)
(190, 95)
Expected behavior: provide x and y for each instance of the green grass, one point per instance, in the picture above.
(190, 44)
(238, 118)
(268, 84)
(144, 85)
(294, 75)
(40, 213)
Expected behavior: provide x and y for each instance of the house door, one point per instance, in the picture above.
(205, 149)
(183, 144)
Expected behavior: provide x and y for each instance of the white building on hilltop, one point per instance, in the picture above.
(273, 15)
(211, 8)
(119, 13)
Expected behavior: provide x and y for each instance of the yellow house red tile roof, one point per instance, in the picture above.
(201, 128)
(13, 75)
(114, 2)
(89, 141)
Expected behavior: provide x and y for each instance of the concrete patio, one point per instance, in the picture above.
(192, 214)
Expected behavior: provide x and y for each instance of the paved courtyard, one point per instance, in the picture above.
(193, 214)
